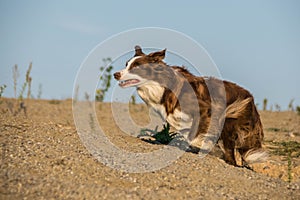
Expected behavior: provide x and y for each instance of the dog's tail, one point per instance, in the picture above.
(255, 156)
(237, 108)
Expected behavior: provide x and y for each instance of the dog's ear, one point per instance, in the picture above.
(158, 56)
(138, 51)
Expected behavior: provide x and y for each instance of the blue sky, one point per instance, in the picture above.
(255, 43)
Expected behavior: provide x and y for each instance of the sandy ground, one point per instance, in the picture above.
(43, 157)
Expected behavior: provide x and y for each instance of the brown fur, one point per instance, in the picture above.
(242, 130)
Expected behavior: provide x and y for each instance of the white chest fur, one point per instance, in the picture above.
(152, 93)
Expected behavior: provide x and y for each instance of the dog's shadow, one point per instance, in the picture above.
(164, 137)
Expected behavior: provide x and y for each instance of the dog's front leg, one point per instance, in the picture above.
(198, 131)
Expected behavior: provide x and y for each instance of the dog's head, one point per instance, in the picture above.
(142, 68)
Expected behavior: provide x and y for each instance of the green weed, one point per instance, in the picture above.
(163, 137)
(289, 150)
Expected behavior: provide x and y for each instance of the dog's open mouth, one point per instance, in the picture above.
(129, 82)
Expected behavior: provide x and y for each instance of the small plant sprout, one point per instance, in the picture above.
(265, 103)
(291, 106)
(288, 149)
(86, 96)
(28, 81)
(2, 88)
(162, 137)
(40, 91)
(16, 75)
(298, 110)
(132, 100)
(76, 94)
(277, 107)
(105, 79)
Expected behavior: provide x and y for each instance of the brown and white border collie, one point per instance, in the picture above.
(188, 103)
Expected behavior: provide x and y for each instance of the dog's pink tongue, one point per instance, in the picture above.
(128, 82)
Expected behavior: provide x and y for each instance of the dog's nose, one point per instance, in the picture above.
(117, 75)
